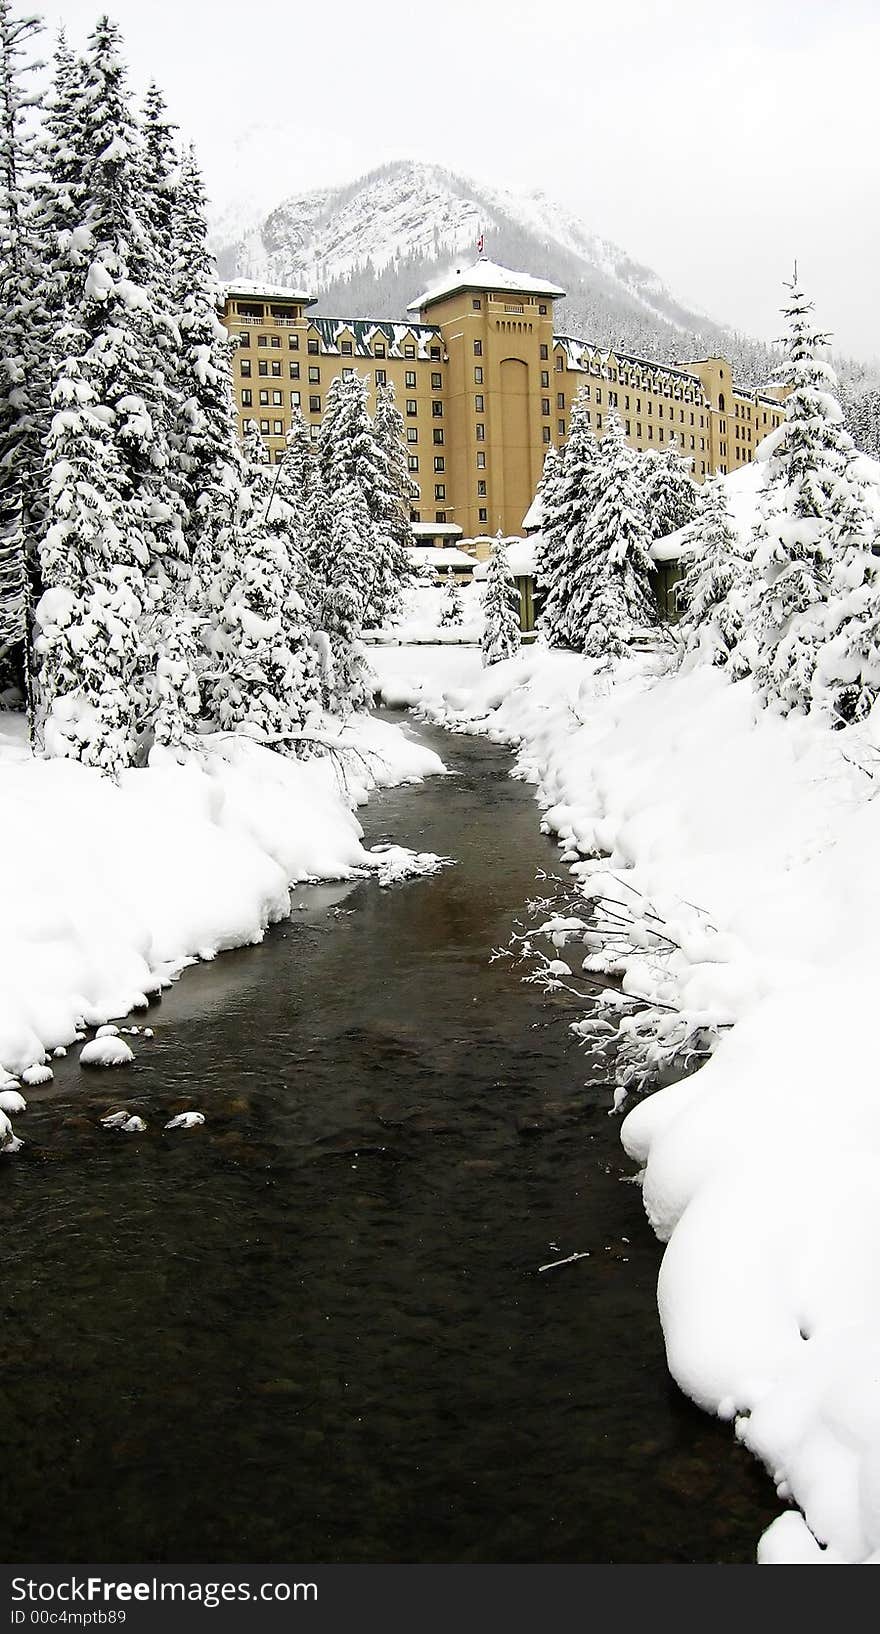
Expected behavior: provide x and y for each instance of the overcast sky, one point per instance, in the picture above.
(714, 142)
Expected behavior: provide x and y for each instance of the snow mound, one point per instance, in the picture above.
(11, 1101)
(395, 863)
(107, 1031)
(35, 1075)
(106, 1052)
(186, 1120)
(128, 1122)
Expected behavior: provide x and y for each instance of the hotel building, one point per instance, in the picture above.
(484, 385)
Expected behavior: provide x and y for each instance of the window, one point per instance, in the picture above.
(598, 394)
(478, 403)
(598, 424)
(264, 399)
(559, 364)
(381, 377)
(412, 435)
(314, 405)
(264, 427)
(277, 399)
(545, 379)
(439, 462)
(293, 343)
(412, 406)
(262, 340)
(477, 303)
(435, 354)
(244, 339)
(279, 455)
(560, 427)
(275, 342)
(478, 348)
(313, 345)
(437, 409)
(379, 349)
(441, 516)
(348, 374)
(409, 351)
(542, 310)
(439, 490)
(294, 399)
(481, 488)
(293, 370)
(481, 461)
(545, 434)
(245, 366)
(478, 376)
(262, 367)
(314, 375)
(560, 399)
(612, 398)
(410, 379)
(438, 434)
(278, 428)
(639, 429)
(481, 432)
(412, 461)
(345, 348)
(483, 514)
(544, 354)
(276, 370)
(545, 405)
(436, 382)
(247, 397)
(415, 516)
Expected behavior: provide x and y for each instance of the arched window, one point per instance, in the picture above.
(721, 401)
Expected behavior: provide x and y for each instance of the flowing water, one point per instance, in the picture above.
(315, 1329)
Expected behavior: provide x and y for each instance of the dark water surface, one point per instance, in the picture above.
(314, 1330)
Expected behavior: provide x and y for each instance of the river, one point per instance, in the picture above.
(315, 1329)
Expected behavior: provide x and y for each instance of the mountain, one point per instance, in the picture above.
(369, 248)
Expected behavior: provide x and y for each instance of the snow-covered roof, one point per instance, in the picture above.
(435, 530)
(520, 554)
(490, 277)
(584, 355)
(534, 515)
(366, 331)
(252, 289)
(439, 556)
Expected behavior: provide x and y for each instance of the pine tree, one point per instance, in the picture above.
(567, 498)
(501, 609)
(451, 605)
(670, 492)
(812, 511)
(339, 530)
(713, 593)
(88, 645)
(20, 319)
(611, 596)
(392, 566)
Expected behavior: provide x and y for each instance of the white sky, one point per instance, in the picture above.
(714, 142)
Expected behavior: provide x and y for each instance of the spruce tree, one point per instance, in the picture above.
(611, 598)
(451, 605)
(567, 499)
(392, 568)
(713, 594)
(339, 533)
(501, 609)
(812, 511)
(670, 492)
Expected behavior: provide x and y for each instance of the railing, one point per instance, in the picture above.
(514, 309)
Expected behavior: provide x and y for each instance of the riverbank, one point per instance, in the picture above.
(108, 890)
(757, 841)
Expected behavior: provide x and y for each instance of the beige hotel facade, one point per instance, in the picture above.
(484, 385)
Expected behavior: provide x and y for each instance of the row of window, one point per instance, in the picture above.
(346, 347)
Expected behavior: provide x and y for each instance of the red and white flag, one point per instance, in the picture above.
(480, 245)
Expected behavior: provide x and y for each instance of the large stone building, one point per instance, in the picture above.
(484, 384)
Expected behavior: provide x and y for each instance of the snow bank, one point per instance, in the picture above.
(108, 890)
(758, 841)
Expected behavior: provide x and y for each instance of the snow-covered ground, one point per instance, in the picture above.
(107, 890)
(757, 841)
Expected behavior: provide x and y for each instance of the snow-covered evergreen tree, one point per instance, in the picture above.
(501, 610)
(451, 604)
(670, 491)
(568, 495)
(354, 449)
(714, 592)
(340, 536)
(88, 619)
(392, 569)
(812, 512)
(21, 322)
(611, 597)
